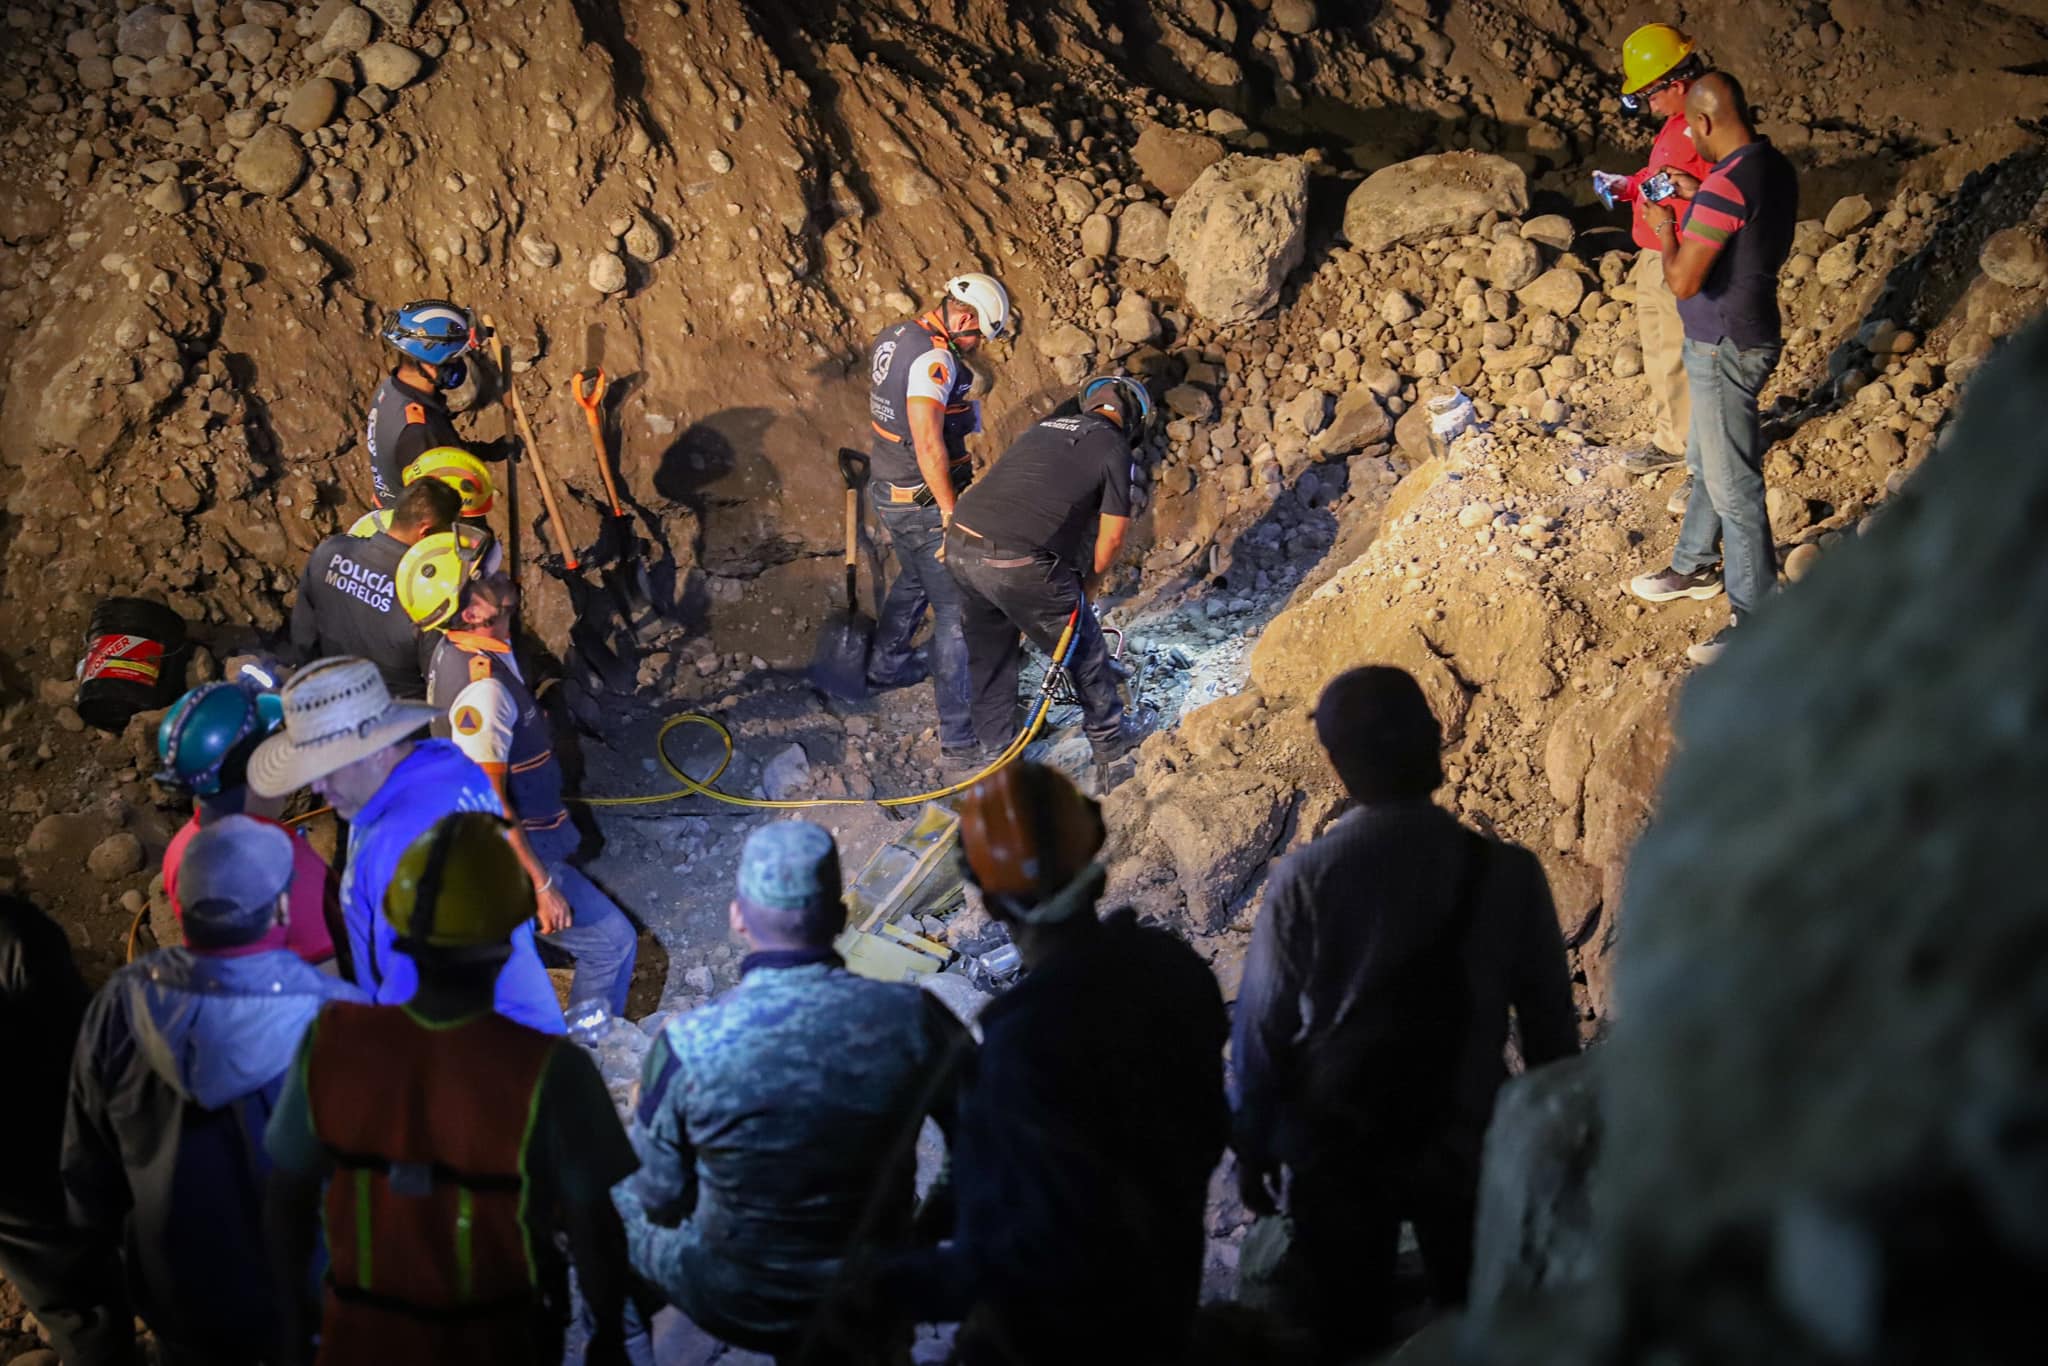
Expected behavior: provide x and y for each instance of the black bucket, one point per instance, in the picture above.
(134, 661)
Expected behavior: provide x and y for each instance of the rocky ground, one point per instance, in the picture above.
(207, 207)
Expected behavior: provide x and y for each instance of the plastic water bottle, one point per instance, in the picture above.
(589, 1022)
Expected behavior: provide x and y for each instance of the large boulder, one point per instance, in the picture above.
(1172, 160)
(1433, 196)
(271, 163)
(1142, 231)
(1534, 1232)
(1361, 420)
(1237, 232)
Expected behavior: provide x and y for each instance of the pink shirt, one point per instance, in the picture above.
(1673, 150)
(313, 888)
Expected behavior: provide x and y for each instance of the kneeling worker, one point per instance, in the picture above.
(487, 709)
(1039, 526)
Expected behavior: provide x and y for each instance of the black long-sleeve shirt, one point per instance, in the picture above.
(348, 605)
(1088, 1130)
(1345, 917)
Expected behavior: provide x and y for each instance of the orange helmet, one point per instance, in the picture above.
(1026, 831)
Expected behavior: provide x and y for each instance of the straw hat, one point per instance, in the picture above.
(336, 711)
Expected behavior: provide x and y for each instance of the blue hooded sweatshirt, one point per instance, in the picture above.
(434, 781)
(179, 1064)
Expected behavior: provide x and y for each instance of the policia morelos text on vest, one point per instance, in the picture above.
(1044, 518)
(921, 418)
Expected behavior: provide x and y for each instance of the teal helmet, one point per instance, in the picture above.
(206, 737)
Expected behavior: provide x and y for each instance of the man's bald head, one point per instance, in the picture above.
(1717, 112)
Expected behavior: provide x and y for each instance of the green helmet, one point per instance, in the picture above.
(206, 737)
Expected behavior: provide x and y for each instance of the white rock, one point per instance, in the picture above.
(389, 65)
(607, 272)
(539, 250)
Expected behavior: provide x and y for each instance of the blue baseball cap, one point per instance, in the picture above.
(790, 866)
(229, 880)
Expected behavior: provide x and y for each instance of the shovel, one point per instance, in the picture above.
(630, 581)
(840, 666)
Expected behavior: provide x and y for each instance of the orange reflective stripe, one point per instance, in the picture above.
(886, 434)
(535, 762)
(415, 413)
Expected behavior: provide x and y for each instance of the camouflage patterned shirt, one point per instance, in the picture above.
(776, 1126)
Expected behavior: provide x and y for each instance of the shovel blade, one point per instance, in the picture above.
(840, 666)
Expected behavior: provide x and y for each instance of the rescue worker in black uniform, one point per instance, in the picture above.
(409, 413)
(1027, 541)
(918, 406)
(348, 597)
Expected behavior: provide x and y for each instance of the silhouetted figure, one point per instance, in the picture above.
(1093, 1117)
(1372, 1022)
(69, 1280)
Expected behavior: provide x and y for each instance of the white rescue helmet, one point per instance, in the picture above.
(987, 297)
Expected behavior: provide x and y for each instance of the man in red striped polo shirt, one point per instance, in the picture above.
(1723, 264)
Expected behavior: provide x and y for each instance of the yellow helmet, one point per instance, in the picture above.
(370, 523)
(432, 575)
(459, 885)
(459, 470)
(1651, 53)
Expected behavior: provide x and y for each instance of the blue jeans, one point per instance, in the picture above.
(600, 938)
(921, 582)
(1724, 452)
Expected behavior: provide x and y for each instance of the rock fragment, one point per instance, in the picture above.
(270, 163)
(389, 65)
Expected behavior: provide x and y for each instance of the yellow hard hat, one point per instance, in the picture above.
(459, 470)
(460, 885)
(370, 523)
(432, 575)
(1650, 53)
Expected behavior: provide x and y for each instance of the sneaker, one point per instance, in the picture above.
(1651, 457)
(1708, 650)
(1668, 585)
(1680, 499)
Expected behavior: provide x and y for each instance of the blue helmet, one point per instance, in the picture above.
(431, 330)
(1130, 398)
(207, 736)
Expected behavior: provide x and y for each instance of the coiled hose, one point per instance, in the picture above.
(702, 787)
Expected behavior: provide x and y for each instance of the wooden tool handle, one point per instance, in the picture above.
(852, 528)
(556, 526)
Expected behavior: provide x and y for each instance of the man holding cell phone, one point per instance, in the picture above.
(1659, 65)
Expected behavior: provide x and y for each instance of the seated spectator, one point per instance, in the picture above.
(205, 742)
(181, 1060)
(68, 1279)
(777, 1125)
(345, 736)
(1093, 1115)
(1371, 1026)
(454, 1145)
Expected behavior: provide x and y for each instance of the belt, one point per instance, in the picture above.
(990, 553)
(920, 494)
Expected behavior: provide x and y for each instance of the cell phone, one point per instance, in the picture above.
(1659, 187)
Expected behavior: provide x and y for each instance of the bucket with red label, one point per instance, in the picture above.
(134, 661)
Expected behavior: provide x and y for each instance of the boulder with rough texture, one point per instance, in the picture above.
(1534, 1230)
(1360, 420)
(2014, 257)
(1433, 196)
(1141, 233)
(1513, 262)
(607, 272)
(389, 65)
(115, 857)
(1063, 339)
(1557, 290)
(1848, 215)
(143, 33)
(1172, 160)
(270, 163)
(312, 106)
(1237, 233)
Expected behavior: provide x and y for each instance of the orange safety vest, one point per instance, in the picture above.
(428, 1126)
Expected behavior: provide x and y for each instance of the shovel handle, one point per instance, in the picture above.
(852, 529)
(540, 466)
(588, 400)
(853, 467)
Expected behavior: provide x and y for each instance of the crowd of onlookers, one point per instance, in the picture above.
(261, 1162)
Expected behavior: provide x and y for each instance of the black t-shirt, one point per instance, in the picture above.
(1047, 489)
(1745, 209)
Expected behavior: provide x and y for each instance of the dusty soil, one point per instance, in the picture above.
(207, 207)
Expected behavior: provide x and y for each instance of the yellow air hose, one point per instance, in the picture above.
(695, 787)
